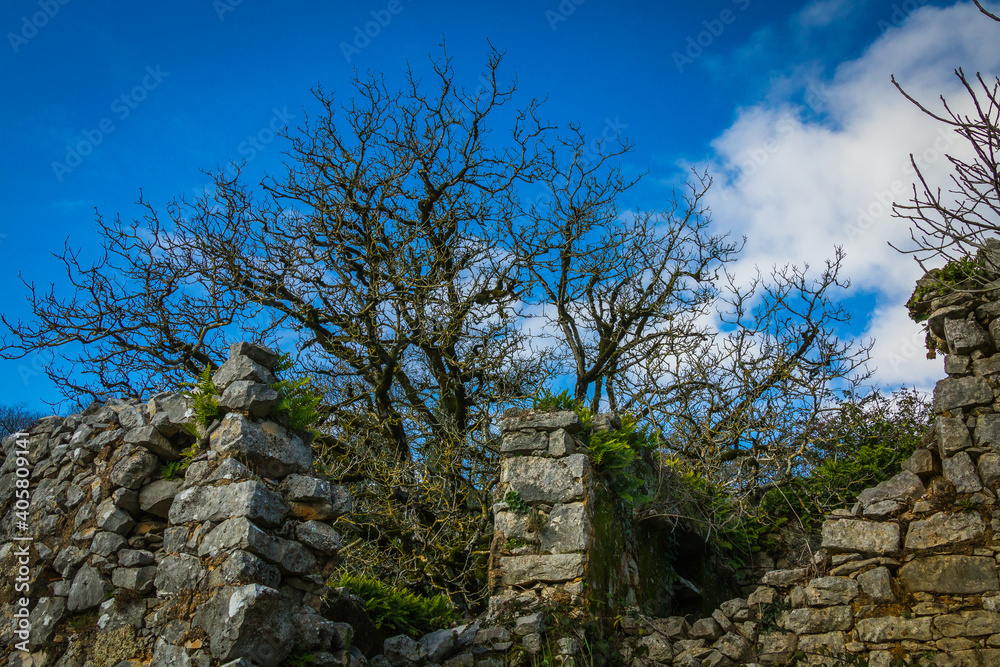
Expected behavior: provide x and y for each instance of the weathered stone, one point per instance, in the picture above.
(166, 654)
(264, 356)
(861, 536)
(658, 648)
(152, 440)
(316, 499)
(250, 499)
(169, 412)
(961, 472)
(134, 578)
(561, 443)
(251, 621)
(44, 618)
(733, 646)
(524, 442)
(987, 366)
(922, 462)
(952, 393)
(524, 570)
(135, 557)
(238, 368)
(776, 648)
(953, 435)
(156, 497)
(965, 336)
(243, 567)
(88, 590)
(955, 364)
(989, 469)
(673, 627)
(67, 559)
(111, 518)
(252, 397)
(269, 447)
(239, 533)
(816, 621)
(950, 575)
(532, 420)
(401, 651)
(828, 591)
(133, 470)
(547, 480)
(106, 543)
(972, 623)
(904, 486)
(936, 320)
(178, 572)
(706, 628)
(230, 469)
(988, 431)
(944, 528)
(893, 629)
(568, 530)
(126, 499)
(877, 584)
(319, 536)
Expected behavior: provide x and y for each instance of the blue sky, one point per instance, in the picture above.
(788, 103)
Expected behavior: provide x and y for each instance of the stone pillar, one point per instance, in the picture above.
(544, 522)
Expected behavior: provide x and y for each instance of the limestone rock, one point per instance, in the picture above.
(134, 578)
(989, 469)
(269, 447)
(953, 435)
(922, 462)
(961, 472)
(971, 623)
(264, 356)
(250, 499)
(816, 621)
(44, 618)
(568, 530)
(829, 591)
(546, 480)
(169, 412)
(241, 367)
(877, 584)
(113, 519)
(178, 572)
(964, 336)
(893, 628)
(950, 575)
(251, 621)
(402, 651)
(904, 486)
(988, 431)
(316, 499)
(157, 496)
(524, 570)
(257, 399)
(964, 392)
(860, 536)
(239, 533)
(88, 590)
(152, 440)
(524, 442)
(132, 471)
(532, 420)
(944, 528)
(319, 536)
(243, 567)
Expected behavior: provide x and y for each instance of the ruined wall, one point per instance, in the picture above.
(112, 562)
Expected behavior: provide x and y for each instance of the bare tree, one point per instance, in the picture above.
(14, 418)
(958, 222)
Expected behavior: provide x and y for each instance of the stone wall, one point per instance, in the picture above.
(226, 562)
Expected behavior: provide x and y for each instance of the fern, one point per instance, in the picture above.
(398, 608)
(206, 399)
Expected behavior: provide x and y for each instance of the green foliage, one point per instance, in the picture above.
(170, 470)
(295, 397)
(962, 273)
(299, 658)
(615, 453)
(206, 399)
(515, 502)
(546, 401)
(398, 608)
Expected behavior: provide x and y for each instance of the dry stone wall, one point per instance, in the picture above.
(121, 565)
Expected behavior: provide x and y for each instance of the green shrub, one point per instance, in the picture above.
(398, 608)
(962, 273)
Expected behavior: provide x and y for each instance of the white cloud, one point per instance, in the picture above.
(798, 183)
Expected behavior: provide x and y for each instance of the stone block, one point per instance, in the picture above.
(273, 450)
(252, 397)
(319, 536)
(923, 462)
(568, 530)
(239, 533)
(971, 623)
(817, 621)
(950, 575)
(989, 469)
(151, 439)
(251, 621)
(561, 443)
(893, 629)
(532, 420)
(903, 486)
(89, 589)
(953, 435)
(524, 442)
(965, 392)
(877, 584)
(241, 368)
(965, 336)
(134, 469)
(178, 572)
(860, 536)
(988, 431)
(830, 591)
(264, 356)
(961, 472)
(525, 570)
(157, 496)
(250, 499)
(944, 528)
(546, 480)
